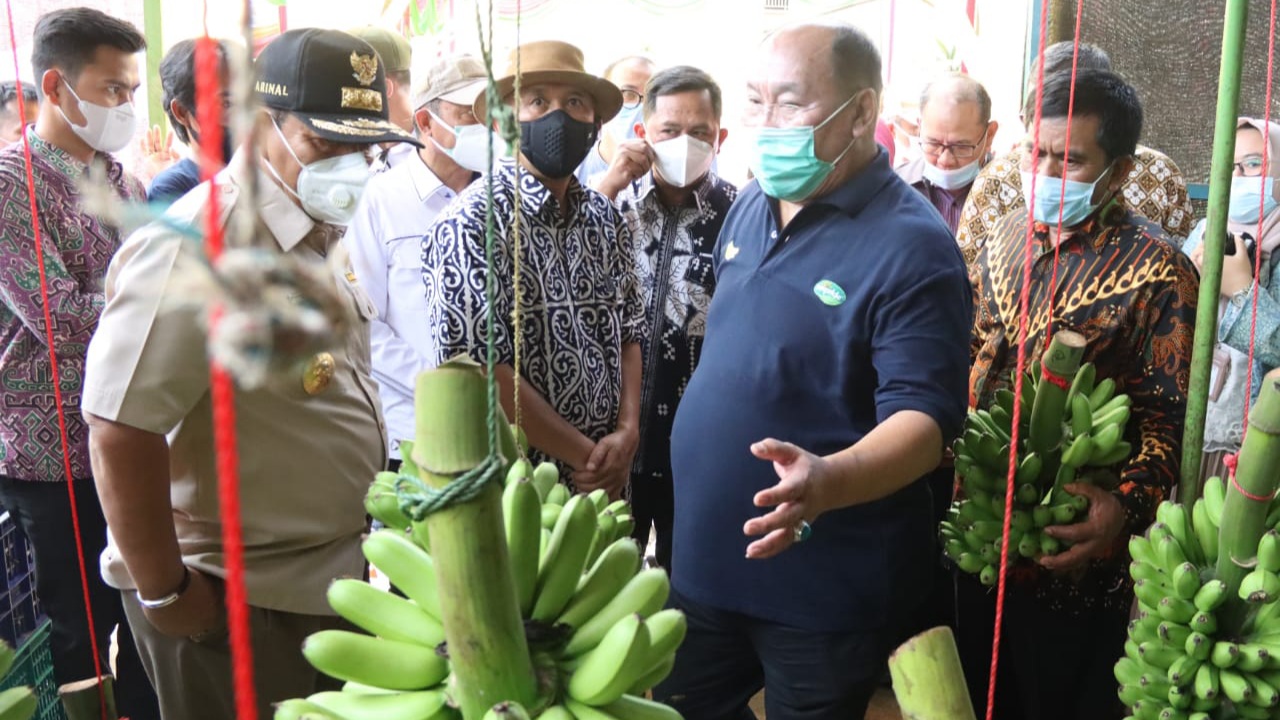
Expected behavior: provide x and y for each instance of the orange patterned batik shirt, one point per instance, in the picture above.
(1132, 294)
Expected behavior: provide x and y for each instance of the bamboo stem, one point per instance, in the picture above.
(928, 680)
(483, 628)
(1215, 232)
(1243, 518)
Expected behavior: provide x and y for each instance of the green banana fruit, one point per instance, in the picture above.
(1234, 686)
(295, 709)
(521, 469)
(644, 594)
(1205, 685)
(382, 503)
(374, 661)
(521, 516)
(667, 629)
(606, 527)
(406, 565)
(604, 673)
(566, 557)
(546, 476)
(420, 705)
(1206, 532)
(630, 707)
(653, 676)
(1210, 596)
(549, 514)
(384, 614)
(1082, 385)
(606, 578)
(1078, 452)
(1224, 654)
(1102, 393)
(1269, 552)
(558, 494)
(1186, 581)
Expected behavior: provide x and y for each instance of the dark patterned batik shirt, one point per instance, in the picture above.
(580, 296)
(1132, 294)
(77, 249)
(674, 249)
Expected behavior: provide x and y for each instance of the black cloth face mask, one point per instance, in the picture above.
(556, 143)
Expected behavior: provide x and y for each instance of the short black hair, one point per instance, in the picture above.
(9, 93)
(855, 59)
(67, 39)
(965, 89)
(1100, 94)
(678, 79)
(178, 81)
(1059, 56)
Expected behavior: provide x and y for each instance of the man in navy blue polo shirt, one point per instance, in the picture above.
(834, 366)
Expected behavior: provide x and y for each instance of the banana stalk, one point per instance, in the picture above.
(485, 635)
(83, 700)
(1244, 520)
(928, 680)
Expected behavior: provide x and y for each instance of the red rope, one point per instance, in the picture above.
(1019, 378)
(54, 374)
(209, 111)
(1257, 254)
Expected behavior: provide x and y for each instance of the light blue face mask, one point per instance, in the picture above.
(1250, 193)
(784, 160)
(623, 125)
(1075, 198)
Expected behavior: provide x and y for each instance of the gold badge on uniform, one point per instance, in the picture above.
(319, 373)
(366, 68)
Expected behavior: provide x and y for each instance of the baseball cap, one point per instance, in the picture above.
(457, 79)
(392, 48)
(332, 81)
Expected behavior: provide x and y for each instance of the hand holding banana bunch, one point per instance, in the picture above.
(1070, 435)
(596, 630)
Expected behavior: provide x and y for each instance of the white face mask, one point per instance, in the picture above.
(106, 129)
(682, 160)
(471, 145)
(952, 179)
(328, 189)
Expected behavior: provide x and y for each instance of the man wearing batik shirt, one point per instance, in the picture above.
(581, 317)
(86, 69)
(1154, 188)
(674, 213)
(1128, 290)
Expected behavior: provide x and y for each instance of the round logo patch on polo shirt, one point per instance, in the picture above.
(829, 293)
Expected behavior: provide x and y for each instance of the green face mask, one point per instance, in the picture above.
(784, 161)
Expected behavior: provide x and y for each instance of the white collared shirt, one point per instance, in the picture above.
(385, 242)
(394, 156)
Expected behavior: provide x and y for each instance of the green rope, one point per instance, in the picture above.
(417, 500)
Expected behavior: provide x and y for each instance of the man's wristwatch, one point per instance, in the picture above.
(172, 597)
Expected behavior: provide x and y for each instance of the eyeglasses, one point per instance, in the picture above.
(631, 99)
(1250, 166)
(959, 151)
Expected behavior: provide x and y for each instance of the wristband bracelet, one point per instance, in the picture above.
(172, 597)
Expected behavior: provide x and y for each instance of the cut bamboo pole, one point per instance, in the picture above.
(1244, 518)
(82, 700)
(483, 628)
(928, 680)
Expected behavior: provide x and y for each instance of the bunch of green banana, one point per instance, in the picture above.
(1179, 662)
(597, 631)
(16, 703)
(1062, 431)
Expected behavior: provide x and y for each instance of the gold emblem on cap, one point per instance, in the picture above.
(319, 373)
(362, 99)
(366, 67)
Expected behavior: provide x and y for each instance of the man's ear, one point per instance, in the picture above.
(640, 130)
(724, 133)
(868, 104)
(1120, 173)
(50, 87)
(422, 120)
(993, 127)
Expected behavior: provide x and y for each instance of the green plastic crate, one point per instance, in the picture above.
(34, 667)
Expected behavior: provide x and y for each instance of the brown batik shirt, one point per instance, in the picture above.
(1132, 294)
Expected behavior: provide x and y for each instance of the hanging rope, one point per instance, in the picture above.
(417, 500)
(1019, 376)
(221, 386)
(55, 375)
(1262, 212)
(518, 334)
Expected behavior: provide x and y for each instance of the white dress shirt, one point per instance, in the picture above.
(385, 241)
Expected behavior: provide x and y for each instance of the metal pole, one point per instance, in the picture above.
(153, 31)
(1224, 148)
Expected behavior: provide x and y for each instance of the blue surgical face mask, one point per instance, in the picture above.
(1075, 198)
(784, 159)
(952, 179)
(623, 125)
(1250, 193)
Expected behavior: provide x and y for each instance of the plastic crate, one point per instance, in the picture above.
(34, 668)
(20, 611)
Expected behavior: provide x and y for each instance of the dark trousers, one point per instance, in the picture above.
(1053, 665)
(43, 512)
(653, 505)
(728, 657)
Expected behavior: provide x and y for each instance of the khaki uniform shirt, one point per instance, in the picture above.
(305, 460)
